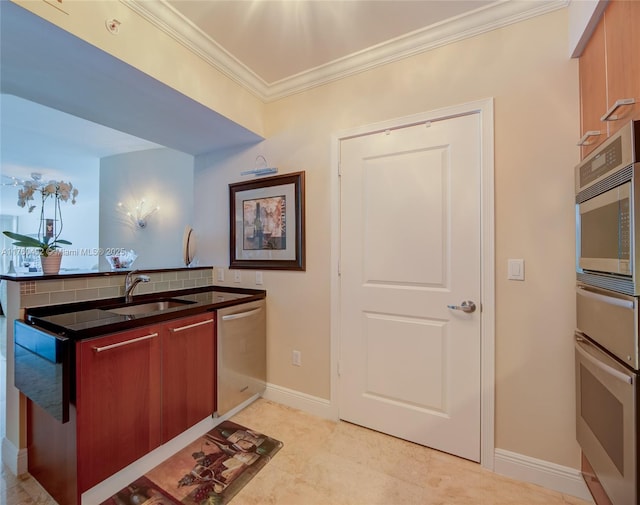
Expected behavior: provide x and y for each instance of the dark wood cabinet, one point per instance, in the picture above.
(134, 390)
(188, 373)
(118, 401)
(52, 452)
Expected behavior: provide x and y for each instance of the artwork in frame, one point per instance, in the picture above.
(267, 223)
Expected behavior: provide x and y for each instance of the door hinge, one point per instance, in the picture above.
(338, 369)
(339, 268)
(339, 169)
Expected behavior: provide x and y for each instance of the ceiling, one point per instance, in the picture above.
(278, 47)
(271, 47)
(279, 39)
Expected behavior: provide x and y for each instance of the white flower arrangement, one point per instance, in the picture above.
(60, 190)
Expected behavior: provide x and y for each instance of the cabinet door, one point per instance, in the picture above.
(118, 401)
(623, 59)
(188, 373)
(593, 89)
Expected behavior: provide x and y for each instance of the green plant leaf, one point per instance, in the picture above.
(26, 241)
(23, 240)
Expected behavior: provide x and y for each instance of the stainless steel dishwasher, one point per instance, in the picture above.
(242, 354)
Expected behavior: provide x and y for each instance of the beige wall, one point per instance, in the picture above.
(162, 177)
(526, 69)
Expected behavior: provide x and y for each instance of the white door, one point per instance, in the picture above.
(410, 248)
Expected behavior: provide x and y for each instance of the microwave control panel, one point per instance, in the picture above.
(625, 234)
(607, 160)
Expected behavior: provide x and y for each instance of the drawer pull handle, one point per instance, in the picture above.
(189, 326)
(586, 136)
(126, 342)
(610, 116)
(240, 315)
(610, 300)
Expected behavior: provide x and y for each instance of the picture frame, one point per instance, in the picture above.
(267, 223)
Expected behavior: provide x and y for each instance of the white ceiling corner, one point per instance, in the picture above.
(474, 22)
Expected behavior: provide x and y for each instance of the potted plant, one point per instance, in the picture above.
(47, 249)
(47, 243)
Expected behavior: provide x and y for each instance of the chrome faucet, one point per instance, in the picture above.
(130, 283)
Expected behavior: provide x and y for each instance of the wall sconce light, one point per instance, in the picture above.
(261, 168)
(139, 214)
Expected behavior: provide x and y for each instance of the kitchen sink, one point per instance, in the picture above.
(146, 308)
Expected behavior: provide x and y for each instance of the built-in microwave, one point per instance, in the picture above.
(607, 183)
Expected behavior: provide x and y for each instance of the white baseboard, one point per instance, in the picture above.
(301, 401)
(14, 458)
(543, 473)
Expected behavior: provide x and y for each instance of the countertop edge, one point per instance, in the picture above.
(35, 315)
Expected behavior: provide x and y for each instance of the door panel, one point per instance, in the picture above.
(388, 224)
(413, 378)
(410, 247)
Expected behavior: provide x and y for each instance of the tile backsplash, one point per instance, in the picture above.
(52, 292)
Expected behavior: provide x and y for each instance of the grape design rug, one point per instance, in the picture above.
(209, 471)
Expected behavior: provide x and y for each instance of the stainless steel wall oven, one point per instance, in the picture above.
(606, 367)
(606, 339)
(607, 183)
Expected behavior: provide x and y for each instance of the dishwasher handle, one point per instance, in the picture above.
(241, 315)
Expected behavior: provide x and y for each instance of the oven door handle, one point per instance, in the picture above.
(619, 302)
(580, 342)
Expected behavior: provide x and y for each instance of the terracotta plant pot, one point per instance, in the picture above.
(51, 263)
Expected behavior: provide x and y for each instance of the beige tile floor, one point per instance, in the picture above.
(324, 462)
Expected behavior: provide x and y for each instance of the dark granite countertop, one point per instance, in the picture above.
(82, 320)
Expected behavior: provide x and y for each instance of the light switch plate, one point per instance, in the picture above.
(515, 269)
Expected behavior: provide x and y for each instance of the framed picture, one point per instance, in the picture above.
(267, 223)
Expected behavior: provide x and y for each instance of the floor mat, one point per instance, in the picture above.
(209, 471)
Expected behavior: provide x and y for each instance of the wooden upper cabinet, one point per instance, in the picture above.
(622, 40)
(609, 70)
(593, 90)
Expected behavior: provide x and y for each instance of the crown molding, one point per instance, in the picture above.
(496, 15)
(164, 17)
